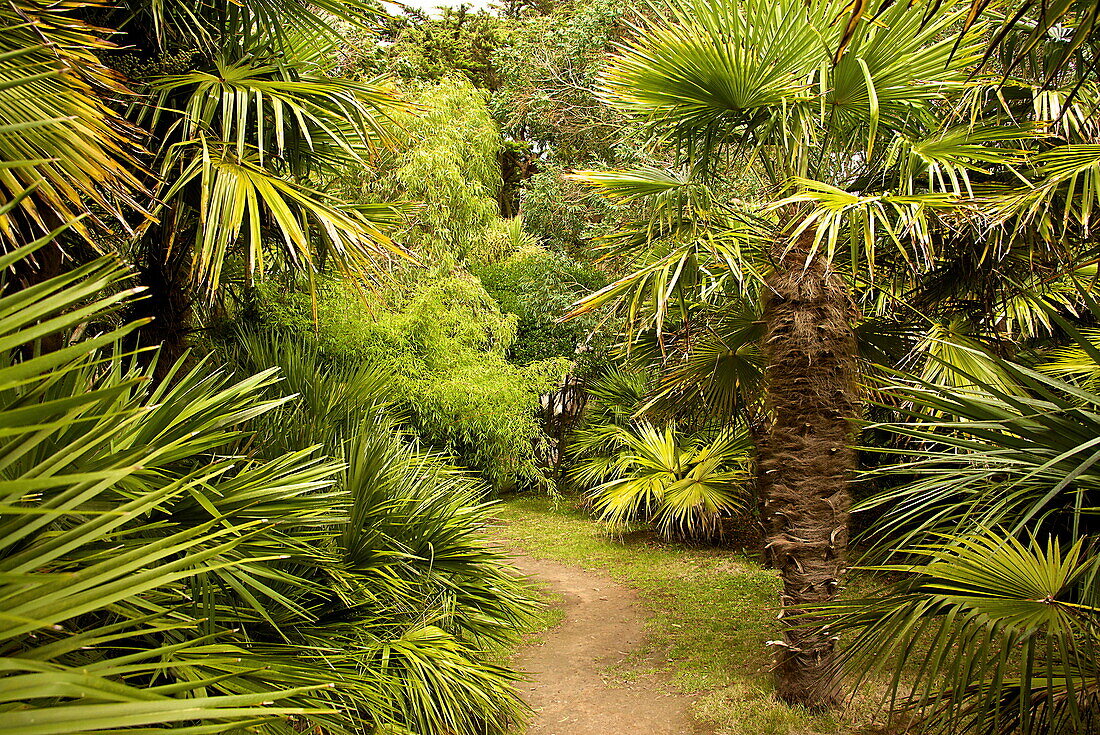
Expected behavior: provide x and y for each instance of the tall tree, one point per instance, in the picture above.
(750, 83)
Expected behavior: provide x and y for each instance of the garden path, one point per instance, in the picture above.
(567, 666)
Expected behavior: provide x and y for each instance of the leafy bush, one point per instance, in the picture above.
(443, 346)
(539, 286)
(633, 470)
(447, 159)
(467, 375)
(564, 213)
(455, 41)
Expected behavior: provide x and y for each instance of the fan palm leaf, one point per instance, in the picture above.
(642, 472)
(990, 457)
(749, 75)
(59, 137)
(241, 195)
(62, 518)
(1006, 639)
(1024, 28)
(264, 108)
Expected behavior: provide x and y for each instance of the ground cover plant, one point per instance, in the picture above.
(165, 567)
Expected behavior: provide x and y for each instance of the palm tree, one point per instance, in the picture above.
(753, 83)
(638, 466)
(242, 136)
(239, 118)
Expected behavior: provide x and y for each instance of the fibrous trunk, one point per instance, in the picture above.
(166, 274)
(806, 459)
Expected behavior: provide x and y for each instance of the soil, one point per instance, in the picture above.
(569, 688)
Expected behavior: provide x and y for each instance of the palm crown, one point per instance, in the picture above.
(756, 77)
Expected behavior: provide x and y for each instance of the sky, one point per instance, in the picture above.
(432, 4)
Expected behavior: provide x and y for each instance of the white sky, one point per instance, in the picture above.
(432, 4)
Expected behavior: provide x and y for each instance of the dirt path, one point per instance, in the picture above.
(603, 624)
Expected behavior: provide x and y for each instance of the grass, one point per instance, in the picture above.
(712, 610)
(549, 615)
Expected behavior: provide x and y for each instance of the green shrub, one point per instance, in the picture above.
(467, 373)
(444, 346)
(633, 468)
(539, 286)
(562, 212)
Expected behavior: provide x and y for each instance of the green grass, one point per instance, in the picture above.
(549, 615)
(711, 612)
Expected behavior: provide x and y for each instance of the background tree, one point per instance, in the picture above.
(457, 41)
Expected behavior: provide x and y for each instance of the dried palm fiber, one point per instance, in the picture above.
(806, 457)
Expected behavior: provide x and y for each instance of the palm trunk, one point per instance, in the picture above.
(806, 459)
(165, 271)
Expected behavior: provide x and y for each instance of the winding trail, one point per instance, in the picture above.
(604, 623)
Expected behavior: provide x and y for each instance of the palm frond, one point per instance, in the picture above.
(64, 152)
(263, 108)
(67, 549)
(240, 194)
(1004, 641)
(750, 75)
(685, 484)
(985, 456)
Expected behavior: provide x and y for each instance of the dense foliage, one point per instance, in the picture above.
(196, 549)
(289, 290)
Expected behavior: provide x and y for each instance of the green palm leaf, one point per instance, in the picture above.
(240, 194)
(263, 108)
(63, 151)
(67, 520)
(1005, 643)
(641, 472)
